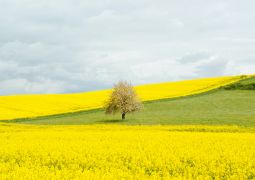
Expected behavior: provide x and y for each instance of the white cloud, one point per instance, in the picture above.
(65, 46)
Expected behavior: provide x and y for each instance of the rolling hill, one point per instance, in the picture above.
(216, 107)
(28, 106)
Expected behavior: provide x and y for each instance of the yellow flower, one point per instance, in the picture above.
(126, 152)
(25, 106)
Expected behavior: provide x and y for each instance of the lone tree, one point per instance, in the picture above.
(123, 99)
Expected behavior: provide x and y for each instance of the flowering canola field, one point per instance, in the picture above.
(126, 152)
(27, 106)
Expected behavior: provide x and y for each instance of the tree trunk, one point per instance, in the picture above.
(123, 116)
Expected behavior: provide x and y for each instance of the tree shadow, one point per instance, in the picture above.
(111, 121)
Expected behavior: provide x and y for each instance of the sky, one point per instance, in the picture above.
(66, 46)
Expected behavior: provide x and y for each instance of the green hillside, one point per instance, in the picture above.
(218, 107)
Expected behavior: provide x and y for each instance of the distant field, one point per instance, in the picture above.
(28, 106)
(218, 107)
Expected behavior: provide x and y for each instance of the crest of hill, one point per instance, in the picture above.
(30, 106)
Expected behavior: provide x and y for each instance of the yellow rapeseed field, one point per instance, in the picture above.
(25, 106)
(126, 152)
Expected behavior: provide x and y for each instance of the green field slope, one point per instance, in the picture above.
(218, 107)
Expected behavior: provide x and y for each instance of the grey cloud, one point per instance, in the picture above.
(195, 57)
(215, 67)
(66, 46)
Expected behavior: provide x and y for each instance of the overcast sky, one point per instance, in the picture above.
(62, 46)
